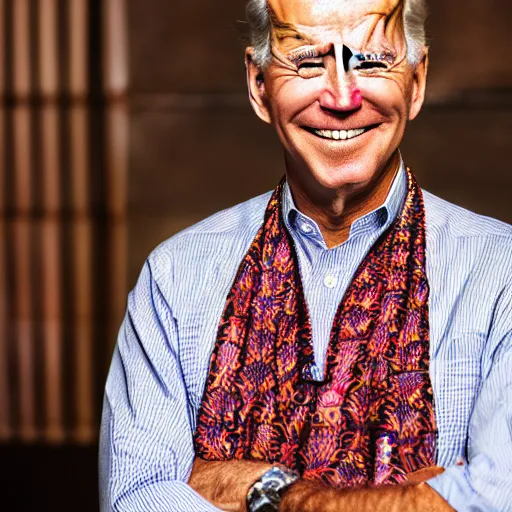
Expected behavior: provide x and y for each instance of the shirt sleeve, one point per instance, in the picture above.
(146, 441)
(484, 483)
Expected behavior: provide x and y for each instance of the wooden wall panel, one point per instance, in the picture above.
(470, 48)
(200, 160)
(188, 47)
(459, 161)
(62, 213)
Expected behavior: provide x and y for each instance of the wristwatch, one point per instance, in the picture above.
(265, 494)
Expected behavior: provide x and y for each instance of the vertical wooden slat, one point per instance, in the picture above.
(21, 83)
(21, 225)
(22, 273)
(82, 230)
(48, 54)
(21, 47)
(82, 279)
(51, 224)
(22, 158)
(115, 72)
(52, 326)
(5, 417)
(2, 52)
(115, 68)
(117, 132)
(78, 45)
(24, 328)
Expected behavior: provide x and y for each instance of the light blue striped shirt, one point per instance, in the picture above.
(162, 357)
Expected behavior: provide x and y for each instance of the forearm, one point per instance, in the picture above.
(226, 484)
(307, 496)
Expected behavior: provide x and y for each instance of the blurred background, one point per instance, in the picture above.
(125, 121)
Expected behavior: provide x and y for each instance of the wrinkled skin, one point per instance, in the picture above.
(307, 86)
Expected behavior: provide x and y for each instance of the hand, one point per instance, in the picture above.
(414, 496)
(225, 484)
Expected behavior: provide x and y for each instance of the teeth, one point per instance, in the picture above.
(339, 134)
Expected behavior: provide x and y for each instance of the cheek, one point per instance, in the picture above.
(292, 95)
(387, 94)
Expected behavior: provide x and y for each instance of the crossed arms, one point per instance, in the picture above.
(225, 484)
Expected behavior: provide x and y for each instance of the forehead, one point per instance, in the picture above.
(346, 13)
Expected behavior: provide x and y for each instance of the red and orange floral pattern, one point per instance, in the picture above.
(371, 421)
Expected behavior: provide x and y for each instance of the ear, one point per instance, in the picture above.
(256, 87)
(418, 87)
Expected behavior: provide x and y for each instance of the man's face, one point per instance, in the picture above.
(339, 89)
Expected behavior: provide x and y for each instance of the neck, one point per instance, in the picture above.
(335, 210)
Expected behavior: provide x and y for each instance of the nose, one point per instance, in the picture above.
(341, 93)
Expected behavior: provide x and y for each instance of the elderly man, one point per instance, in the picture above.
(343, 343)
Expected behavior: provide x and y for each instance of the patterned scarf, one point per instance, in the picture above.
(371, 421)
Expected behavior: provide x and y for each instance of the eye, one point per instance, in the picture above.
(311, 64)
(371, 64)
(307, 58)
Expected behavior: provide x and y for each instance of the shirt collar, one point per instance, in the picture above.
(377, 220)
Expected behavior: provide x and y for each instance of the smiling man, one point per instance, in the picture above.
(342, 343)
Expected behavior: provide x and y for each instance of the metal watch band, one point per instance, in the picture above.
(265, 494)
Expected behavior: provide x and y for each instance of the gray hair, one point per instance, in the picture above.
(258, 19)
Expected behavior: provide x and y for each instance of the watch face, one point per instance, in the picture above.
(265, 494)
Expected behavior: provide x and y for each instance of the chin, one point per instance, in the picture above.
(337, 164)
(357, 174)
(347, 175)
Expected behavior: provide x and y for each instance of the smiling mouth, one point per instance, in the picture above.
(339, 134)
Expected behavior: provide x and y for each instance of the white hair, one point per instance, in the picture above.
(258, 19)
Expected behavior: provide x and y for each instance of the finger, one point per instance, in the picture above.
(424, 474)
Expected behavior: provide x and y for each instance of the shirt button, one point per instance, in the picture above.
(330, 281)
(306, 228)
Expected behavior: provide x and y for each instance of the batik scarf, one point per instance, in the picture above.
(371, 420)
